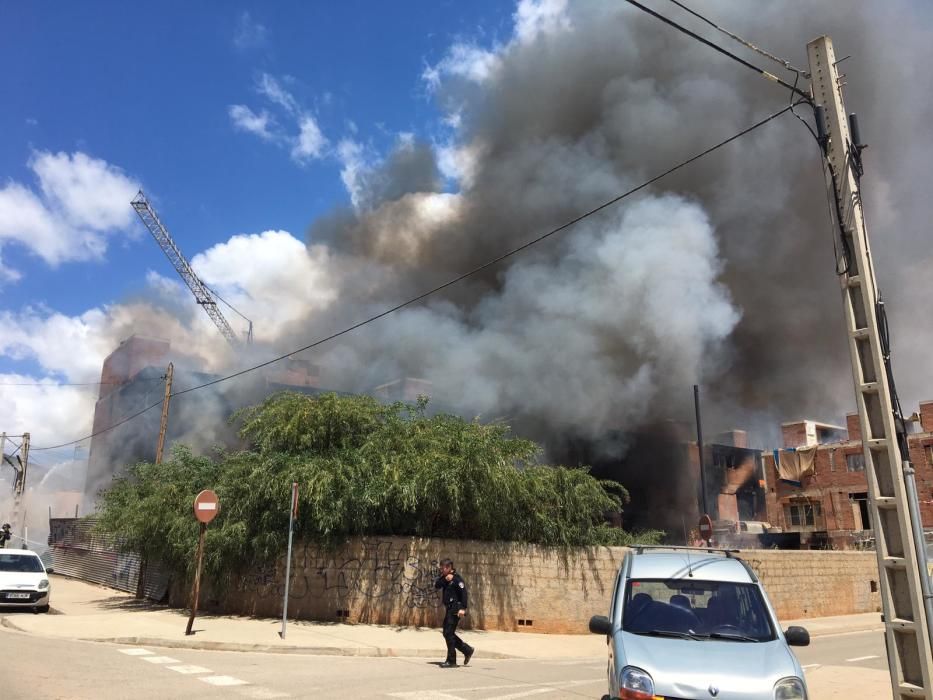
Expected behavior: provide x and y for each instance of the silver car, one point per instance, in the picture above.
(696, 624)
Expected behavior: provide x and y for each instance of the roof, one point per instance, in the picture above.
(17, 551)
(705, 567)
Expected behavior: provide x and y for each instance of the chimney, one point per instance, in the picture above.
(926, 416)
(853, 427)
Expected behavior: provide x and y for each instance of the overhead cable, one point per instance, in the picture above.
(746, 44)
(449, 283)
(762, 72)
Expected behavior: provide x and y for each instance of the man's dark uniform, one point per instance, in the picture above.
(454, 596)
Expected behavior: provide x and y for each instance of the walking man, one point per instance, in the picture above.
(455, 597)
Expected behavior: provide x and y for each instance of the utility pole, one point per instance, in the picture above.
(160, 448)
(19, 487)
(696, 408)
(163, 425)
(905, 588)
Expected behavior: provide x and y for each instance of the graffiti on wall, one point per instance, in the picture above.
(382, 573)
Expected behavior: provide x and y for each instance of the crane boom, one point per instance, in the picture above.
(202, 295)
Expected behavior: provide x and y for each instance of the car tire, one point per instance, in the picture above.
(41, 609)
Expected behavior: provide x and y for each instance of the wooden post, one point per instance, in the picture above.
(160, 447)
(197, 580)
(163, 426)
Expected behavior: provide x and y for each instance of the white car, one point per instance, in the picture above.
(696, 623)
(24, 581)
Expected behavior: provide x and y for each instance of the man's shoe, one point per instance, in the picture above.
(468, 656)
(449, 664)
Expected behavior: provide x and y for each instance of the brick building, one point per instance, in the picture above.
(828, 505)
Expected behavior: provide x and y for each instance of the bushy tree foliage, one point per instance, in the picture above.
(364, 468)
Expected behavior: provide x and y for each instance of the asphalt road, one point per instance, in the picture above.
(862, 649)
(39, 669)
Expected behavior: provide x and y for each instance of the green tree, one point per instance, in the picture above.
(364, 468)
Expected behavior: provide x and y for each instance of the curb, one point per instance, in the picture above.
(383, 652)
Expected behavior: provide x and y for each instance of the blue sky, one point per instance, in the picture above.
(247, 123)
(149, 92)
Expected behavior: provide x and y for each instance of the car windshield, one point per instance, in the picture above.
(20, 563)
(696, 610)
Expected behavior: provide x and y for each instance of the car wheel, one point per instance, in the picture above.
(42, 609)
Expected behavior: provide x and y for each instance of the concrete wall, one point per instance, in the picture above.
(512, 587)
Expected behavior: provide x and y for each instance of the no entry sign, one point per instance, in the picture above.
(206, 506)
(706, 527)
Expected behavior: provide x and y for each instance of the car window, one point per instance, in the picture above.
(20, 563)
(703, 609)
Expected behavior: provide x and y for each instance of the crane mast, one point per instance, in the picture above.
(202, 295)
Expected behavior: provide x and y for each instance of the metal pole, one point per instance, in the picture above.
(913, 506)
(197, 580)
(696, 407)
(25, 458)
(288, 557)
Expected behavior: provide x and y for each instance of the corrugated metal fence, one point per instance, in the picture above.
(77, 550)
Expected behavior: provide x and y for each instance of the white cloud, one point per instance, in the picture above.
(467, 61)
(536, 17)
(51, 413)
(471, 62)
(245, 119)
(353, 162)
(311, 142)
(249, 33)
(275, 93)
(239, 270)
(90, 192)
(79, 202)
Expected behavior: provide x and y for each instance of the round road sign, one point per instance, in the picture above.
(206, 506)
(706, 526)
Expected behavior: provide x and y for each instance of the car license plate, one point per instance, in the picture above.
(17, 596)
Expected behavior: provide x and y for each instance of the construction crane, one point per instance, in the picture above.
(203, 295)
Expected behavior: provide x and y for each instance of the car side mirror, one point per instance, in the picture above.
(49, 570)
(797, 636)
(599, 624)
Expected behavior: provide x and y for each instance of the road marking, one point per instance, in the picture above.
(188, 669)
(135, 652)
(264, 694)
(806, 666)
(863, 658)
(523, 694)
(425, 695)
(222, 680)
(160, 659)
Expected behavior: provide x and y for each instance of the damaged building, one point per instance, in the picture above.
(818, 487)
(132, 380)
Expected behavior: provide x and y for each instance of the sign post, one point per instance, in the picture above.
(293, 513)
(706, 528)
(206, 508)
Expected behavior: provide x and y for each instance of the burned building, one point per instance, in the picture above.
(817, 484)
(132, 381)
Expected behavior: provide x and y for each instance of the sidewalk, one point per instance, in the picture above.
(95, 613)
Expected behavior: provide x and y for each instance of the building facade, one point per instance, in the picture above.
(828, 502)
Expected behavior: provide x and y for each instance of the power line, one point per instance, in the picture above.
(451, 282)
(746, 44)
(761, 71)
(57, 384)
(99, 432)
